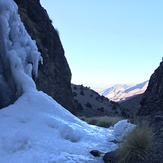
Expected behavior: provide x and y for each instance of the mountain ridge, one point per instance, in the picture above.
(121, 92)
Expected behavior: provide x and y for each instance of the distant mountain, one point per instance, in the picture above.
(121, 92)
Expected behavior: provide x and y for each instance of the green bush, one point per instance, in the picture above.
(137, 145)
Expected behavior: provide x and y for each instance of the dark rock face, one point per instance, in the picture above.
(152, 100)
(132, 105)
(54, 75)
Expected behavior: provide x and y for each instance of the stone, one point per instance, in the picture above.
(110, 157)
(96, 153)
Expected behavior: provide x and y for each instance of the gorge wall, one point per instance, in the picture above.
(54, 75)
(152, 100)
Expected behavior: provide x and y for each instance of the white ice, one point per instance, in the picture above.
(37, 129)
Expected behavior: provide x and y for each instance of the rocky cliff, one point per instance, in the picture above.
(54, 75)
(152, 100)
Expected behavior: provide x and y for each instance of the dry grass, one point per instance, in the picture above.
(137, 144)
(104, 121)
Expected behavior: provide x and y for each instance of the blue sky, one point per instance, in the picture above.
(109, 42)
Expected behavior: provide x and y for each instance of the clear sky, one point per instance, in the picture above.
(109, 42)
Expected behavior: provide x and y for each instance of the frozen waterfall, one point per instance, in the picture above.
(19, 56)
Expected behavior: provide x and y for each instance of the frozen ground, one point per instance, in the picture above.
(37, 129)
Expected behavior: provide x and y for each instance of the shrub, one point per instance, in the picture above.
(107, 121)
(100, 98)
(137, 145)
(113, 102)
(104, 121)
(82, 93)
(88, 105)
(92, 120)
(74, 94)
(79, 106)
(75, 88)
(81, 87)
(114, 107)
(82, 118)
(91, 95)
(97, 98)
(101, 109)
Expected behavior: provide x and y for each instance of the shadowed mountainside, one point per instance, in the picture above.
(89, 103)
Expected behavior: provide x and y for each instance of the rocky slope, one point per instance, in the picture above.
(54, 75)
(89, 103)
(121, 92)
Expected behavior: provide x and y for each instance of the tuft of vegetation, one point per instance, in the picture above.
(74, 94)
(137, 145)
(92, 121)
(104, 121)
(82, 92)
(114, 107)
(100, 98)
(101, 109)
(75, 88)
(78, 105)
(91, 95)
(88, 105)
(81, 87)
